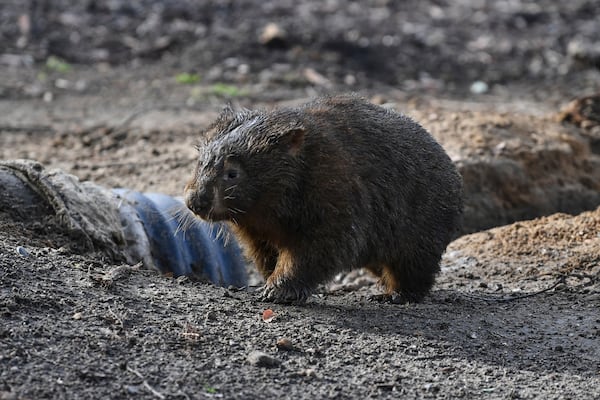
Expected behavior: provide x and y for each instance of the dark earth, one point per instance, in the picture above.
(116, 92)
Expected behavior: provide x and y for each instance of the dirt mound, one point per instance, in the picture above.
(522, 255)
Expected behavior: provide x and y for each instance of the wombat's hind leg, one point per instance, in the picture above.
(407, 282)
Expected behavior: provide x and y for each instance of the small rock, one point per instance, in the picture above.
(132, 389)
(260, 359)
(62, 84)
(350, 80)
(308, 373)
(211, 315)
(268, 315)
(23, 252)
(273, 35)
(479, 87)
(285, 344)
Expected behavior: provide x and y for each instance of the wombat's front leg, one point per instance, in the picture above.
(264, 256)
(292, 281)
(286, 292)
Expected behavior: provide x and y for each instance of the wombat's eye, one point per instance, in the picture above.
(232, 170)
(231, 174)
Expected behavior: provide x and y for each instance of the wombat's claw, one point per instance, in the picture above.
(284, 294)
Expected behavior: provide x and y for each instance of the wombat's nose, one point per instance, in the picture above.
(198, 201)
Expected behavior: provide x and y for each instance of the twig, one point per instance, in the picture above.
(524, 296)
(115, 274)
(560, 280)
(117, 319)
(146, 384)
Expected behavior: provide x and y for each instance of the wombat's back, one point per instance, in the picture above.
(397, 180)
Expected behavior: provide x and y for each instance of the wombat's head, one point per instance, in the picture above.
(247, 162)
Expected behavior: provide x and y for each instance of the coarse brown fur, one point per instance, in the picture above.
(336, 184)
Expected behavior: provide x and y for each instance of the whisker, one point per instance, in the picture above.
(227, 238)
(175, 212)
(221, 232)
(185, 219)
(178, 215)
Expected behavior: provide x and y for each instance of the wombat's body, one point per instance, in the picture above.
(334, 185)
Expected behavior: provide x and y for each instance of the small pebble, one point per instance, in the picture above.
(260, 359)
(132, 389)
(268, 315)
(308, 373)
(285, 344)
(22, 251)
(479, 87)
(273, 35)
(211, 315)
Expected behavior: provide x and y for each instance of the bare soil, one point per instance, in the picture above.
(515, 312)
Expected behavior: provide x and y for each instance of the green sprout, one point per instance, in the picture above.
(222, 89)
(56, 64)
(210, 389)
(187, 78)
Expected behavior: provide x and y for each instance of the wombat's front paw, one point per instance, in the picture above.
(285, 293)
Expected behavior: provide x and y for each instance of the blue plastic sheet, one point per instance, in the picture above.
(198, 249)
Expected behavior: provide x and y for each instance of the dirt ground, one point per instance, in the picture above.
(97, 88)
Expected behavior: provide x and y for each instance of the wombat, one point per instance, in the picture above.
(336, 184)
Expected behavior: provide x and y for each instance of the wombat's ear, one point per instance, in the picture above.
(293, 139)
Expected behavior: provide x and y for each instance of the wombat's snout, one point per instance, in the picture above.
(197, 199)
